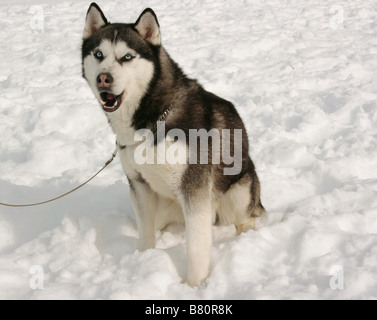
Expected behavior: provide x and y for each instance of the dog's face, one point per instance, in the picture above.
(119, 59)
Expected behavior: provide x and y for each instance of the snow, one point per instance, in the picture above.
(303, 81)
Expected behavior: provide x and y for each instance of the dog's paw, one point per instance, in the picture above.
(194, 283)
(197, 281)
(146, 245)
(246, 226)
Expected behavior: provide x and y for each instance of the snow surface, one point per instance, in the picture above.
(306, 86)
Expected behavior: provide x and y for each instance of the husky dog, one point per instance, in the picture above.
(138, 85)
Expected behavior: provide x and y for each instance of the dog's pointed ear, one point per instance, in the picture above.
(95, 19)
(148, 27)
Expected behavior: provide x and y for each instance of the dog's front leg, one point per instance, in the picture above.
(198, 219)
(144, 202)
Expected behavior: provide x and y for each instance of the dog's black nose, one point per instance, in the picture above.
(104, 80)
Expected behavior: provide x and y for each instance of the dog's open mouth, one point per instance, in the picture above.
(110, 102)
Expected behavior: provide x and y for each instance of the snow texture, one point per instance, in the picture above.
(302, 75)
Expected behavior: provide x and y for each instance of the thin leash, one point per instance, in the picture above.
(154, 129)
(67, 193)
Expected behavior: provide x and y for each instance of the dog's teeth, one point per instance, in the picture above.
(116, 103)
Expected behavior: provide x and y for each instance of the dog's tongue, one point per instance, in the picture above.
(110, 96)
(110, 99)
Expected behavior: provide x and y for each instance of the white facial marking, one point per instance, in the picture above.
(131, 77)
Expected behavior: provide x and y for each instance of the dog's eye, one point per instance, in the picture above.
(98, 55)
(127, 57)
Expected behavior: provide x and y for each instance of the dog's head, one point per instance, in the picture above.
(119, 59)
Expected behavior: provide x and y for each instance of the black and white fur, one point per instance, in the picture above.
(143, 82)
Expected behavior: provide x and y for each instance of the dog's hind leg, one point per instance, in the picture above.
(144, 201)
(245, 226)
(241, 206)
(254, 208)
(251, 223)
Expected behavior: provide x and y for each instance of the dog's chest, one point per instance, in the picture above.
(163, 178)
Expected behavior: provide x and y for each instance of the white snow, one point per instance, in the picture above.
(304, 82)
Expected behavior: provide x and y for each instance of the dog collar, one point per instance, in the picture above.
(154, 129)
(162, 118)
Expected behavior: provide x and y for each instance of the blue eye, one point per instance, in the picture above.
(99, 55)
(127, 57)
